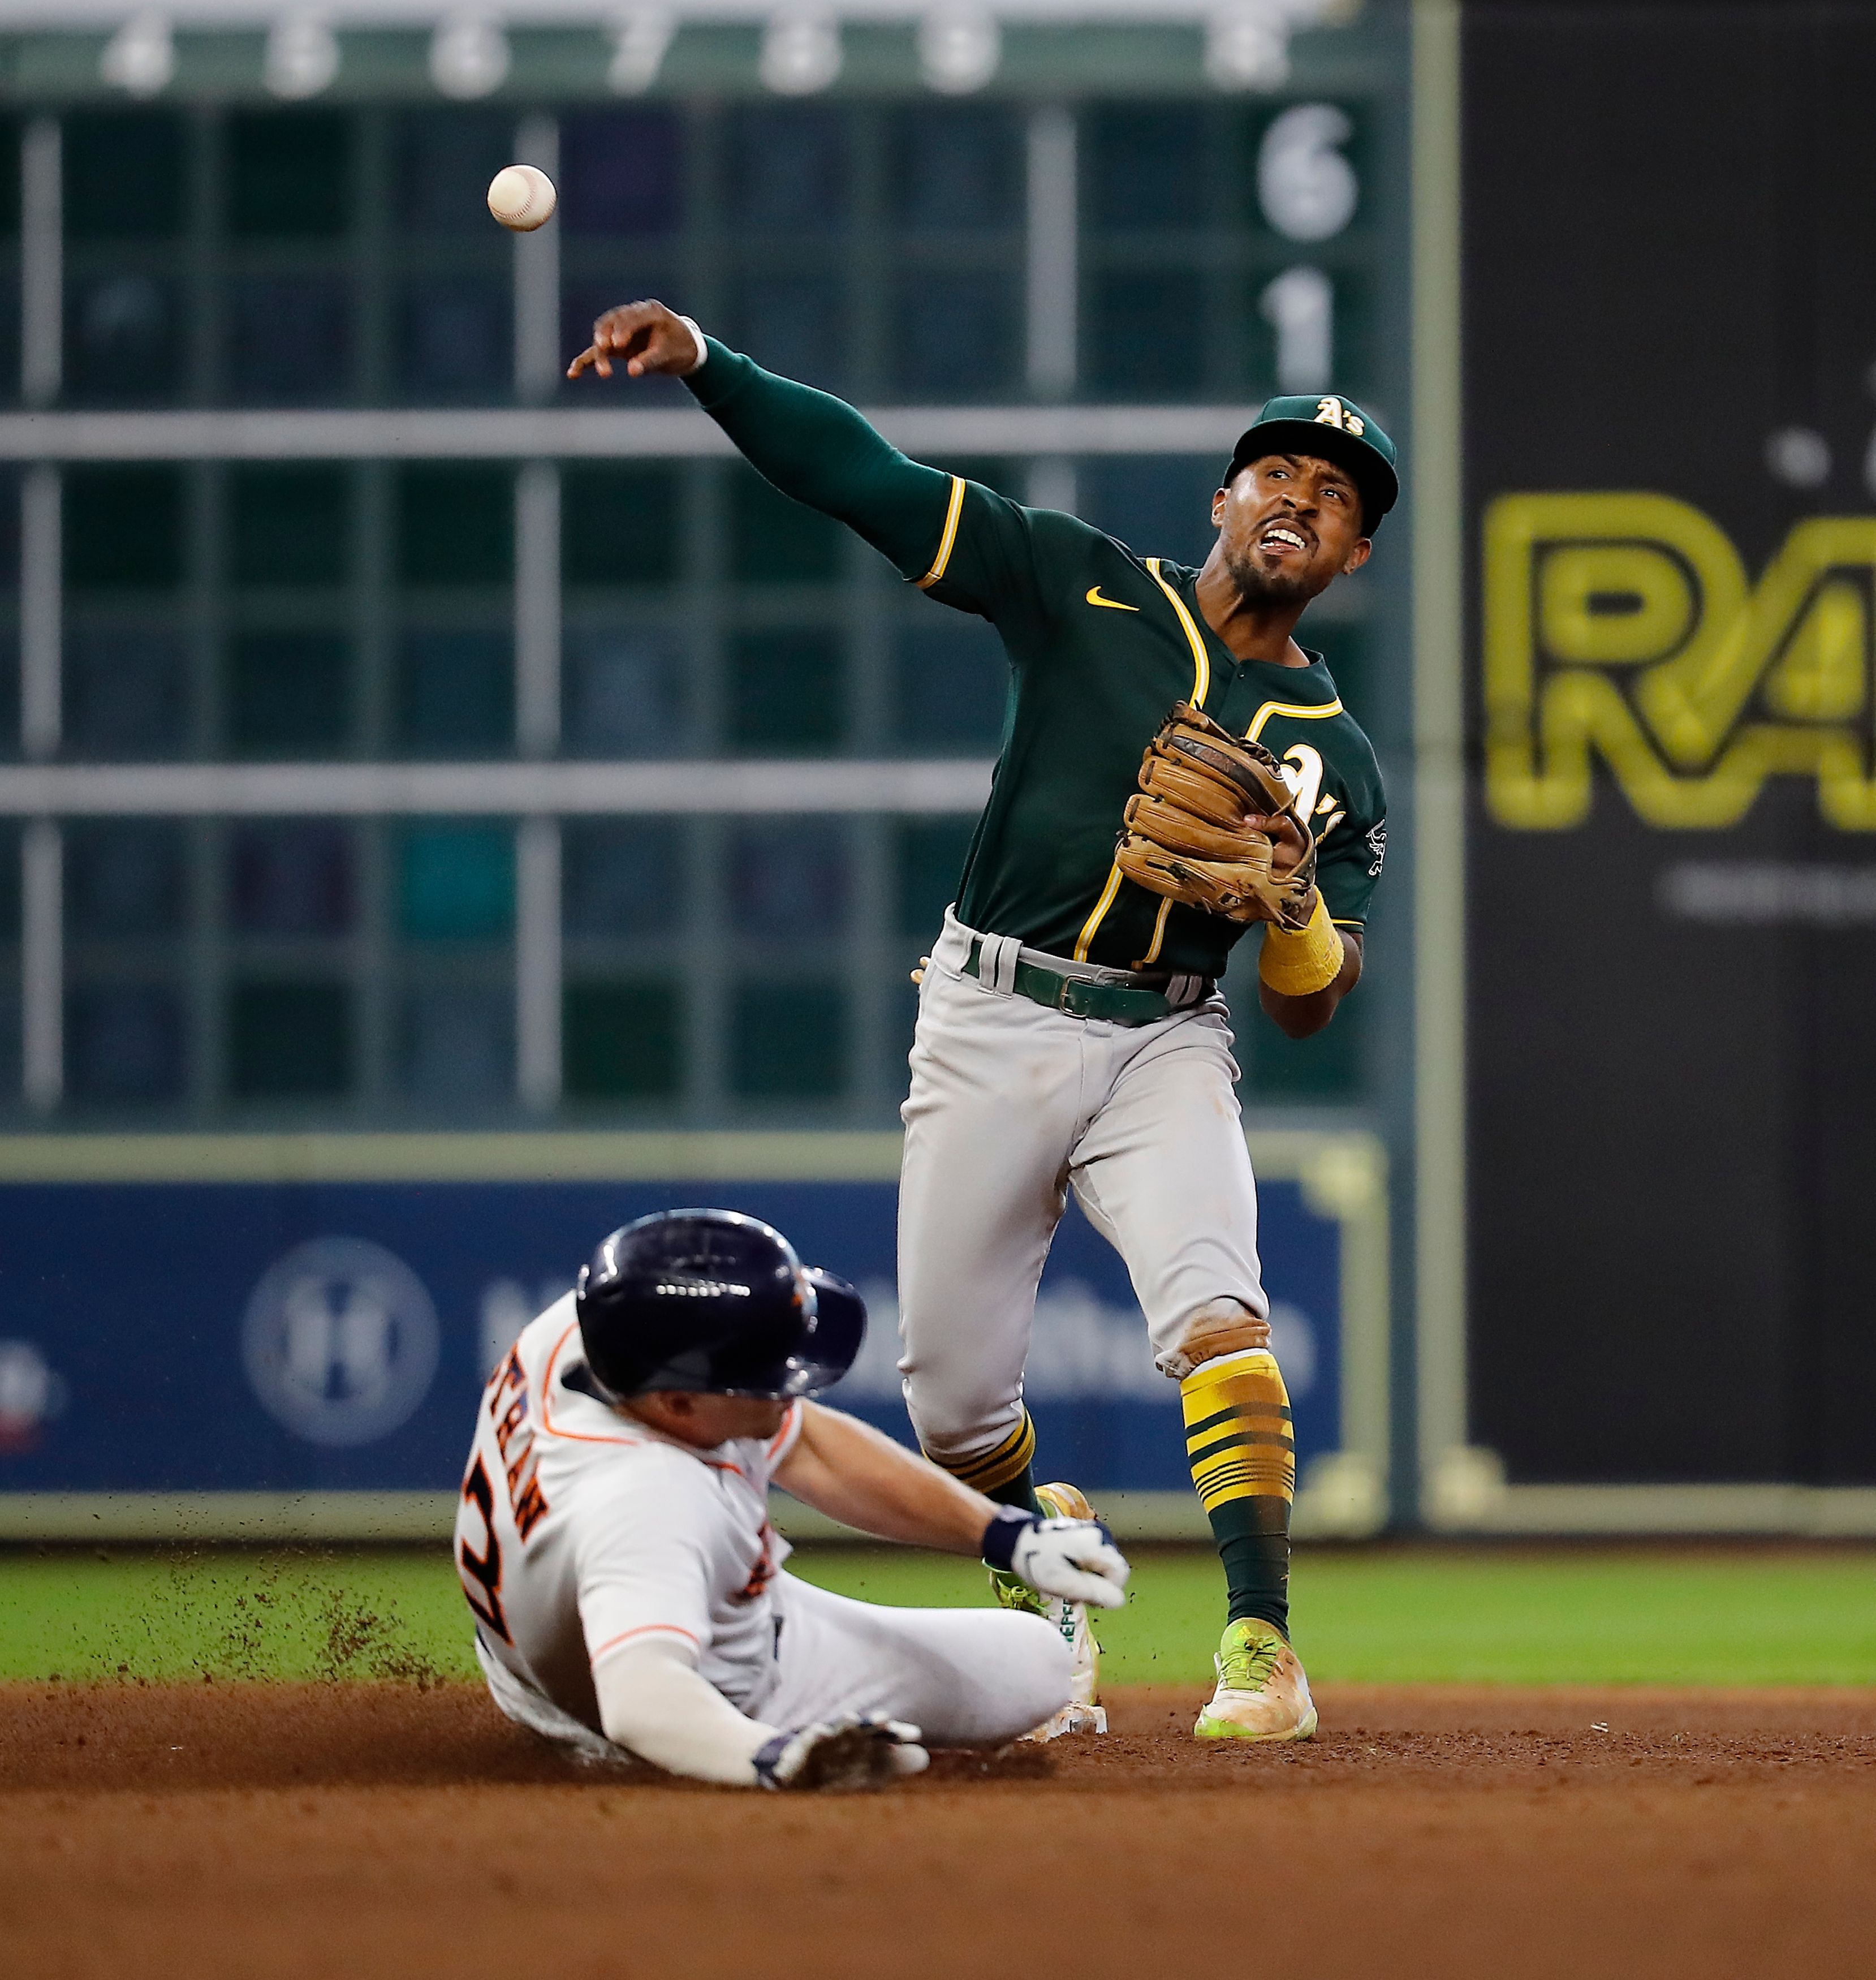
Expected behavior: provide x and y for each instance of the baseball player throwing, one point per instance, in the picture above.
(613, 1540)
(1175, 769)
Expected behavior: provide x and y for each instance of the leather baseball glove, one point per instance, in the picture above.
(1198, 831)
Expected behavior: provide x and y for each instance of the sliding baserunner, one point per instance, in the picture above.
(613, 1541)
(1175, 770)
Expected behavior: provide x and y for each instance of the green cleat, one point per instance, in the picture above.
(1262, 1693)
(1013, 1592)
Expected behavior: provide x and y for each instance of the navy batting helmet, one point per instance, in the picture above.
(710, 1300)
(839, 1322)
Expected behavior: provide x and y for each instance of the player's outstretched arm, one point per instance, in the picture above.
(856, 1474)
(809, 444)
(852, 1473)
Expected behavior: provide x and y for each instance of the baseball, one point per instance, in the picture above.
(522, 197)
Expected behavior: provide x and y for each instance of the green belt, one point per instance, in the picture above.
(1117, 1003)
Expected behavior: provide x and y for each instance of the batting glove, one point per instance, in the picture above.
(860, 1749)
(1075, 1560)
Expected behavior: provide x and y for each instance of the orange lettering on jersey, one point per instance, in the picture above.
(512, 1422)
(483, 1570)
(509, 1375)
(763, 1572)
(529, 1505)
(514, 1438)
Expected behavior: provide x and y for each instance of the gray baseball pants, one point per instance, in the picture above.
(1013, 1105)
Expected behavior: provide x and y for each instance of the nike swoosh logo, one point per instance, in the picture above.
(1112, 604)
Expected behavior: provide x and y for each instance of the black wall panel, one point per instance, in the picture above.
(1670, 218)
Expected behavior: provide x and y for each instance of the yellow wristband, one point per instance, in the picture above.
(1296, 965)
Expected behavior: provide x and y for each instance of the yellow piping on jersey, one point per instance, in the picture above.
(950, 537)
(1158, 935)
(1320, 712)
(1201, 685)
(1201, 665)
(1094, 921)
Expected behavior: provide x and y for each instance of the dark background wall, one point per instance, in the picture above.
(1671, 258)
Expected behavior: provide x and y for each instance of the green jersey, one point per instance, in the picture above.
(1101, 644)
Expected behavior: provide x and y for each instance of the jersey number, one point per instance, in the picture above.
(1302, 772)
(484, 1570)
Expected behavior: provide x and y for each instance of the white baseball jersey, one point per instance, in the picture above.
(581, 1531)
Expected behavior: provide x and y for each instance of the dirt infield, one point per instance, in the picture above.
(380, 1829)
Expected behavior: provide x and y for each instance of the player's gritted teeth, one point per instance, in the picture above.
(1285, 536)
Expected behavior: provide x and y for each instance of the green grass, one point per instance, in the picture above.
(1572, 1616)
(1437, 1615)
(294, 1614)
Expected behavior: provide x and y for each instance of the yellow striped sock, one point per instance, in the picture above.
(1238, 1437)
(990, 1471)
(1244, 1460)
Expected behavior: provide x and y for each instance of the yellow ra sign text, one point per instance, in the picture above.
(1624, 625)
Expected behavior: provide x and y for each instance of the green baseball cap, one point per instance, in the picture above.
(1331, 429)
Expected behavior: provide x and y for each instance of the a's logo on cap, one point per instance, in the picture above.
(1333, 413)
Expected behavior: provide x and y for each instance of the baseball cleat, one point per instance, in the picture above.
(1262, 1691)
(1081, 1714)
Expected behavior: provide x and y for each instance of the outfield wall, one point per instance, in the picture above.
(249, 1337)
